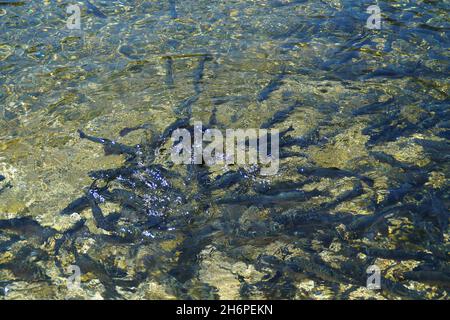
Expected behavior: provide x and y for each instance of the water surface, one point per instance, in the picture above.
(372, 103)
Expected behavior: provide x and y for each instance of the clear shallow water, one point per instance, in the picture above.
(373, 103)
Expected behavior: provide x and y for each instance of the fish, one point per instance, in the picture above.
(169, 71)
(398, 254)
(311, 265)
(362, 224)
(200, 71)
(5, 186)
(397, 195)
(187, 263)
(77, 205)
(12, 3)
(89, 265)
(219, 100)
(438, 151)
(126, 198)
(68, 234)
(444, 134)
(185, 107)
(272, 86)
(310, 138)
(29, 228)
(5, 245)
(279, 199)
(373, 107)
(275, 188)
(333, 173)
(355, 192)
(386, 158)
(173, 9)
(94, 10)
(297, 218)
(280, 3)
(2, 178)
(97, 213)
(280, 116)
(284, 154)
(110, 147)
(182, 123)
(431, 277)
(227, 180)
(435, 207)
(390, 132)
(24, 266)
(127, 130)
(111, 174)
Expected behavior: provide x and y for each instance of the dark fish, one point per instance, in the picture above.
(126, 198)
(298, 218)
(185, 107)
(362, 224)
(97, 213)
(397, 289)
(436, 207)
(390, 132)
(272, 86)
(94, 10)
(386, 73)
(77, 205)
(187, 264)
(279, 199)
(89, 265)
(169, 71)
(182, 123)
(217, 101)
(437, 278)
(310, 138)
(373, 107)
(275, 188)
(111, 174)
(321, 215)
(356, 191)
(213, 122)
(333, 173)
(5, 245)
(284, 154)
(5, 186)
(28, 228)
(110, 147)
(280, 4)
(398, 254)
(199, 72)
(227, 180)
(127, 130)
(280, 116)
(12, 3)
(68, 234)
(313, 266)
(24, 266)
(397, 195)
(386, 158)
(173, 9)
(444, 134)
(438, 151)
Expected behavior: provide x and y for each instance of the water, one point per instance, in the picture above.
(371, 102)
